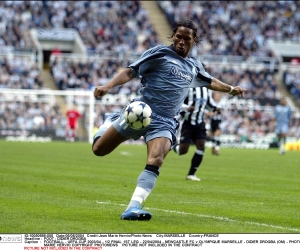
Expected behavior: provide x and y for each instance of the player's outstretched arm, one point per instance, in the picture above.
(119, 79)
(218, 85)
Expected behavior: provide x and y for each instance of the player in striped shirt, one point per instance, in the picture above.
(193, 128)
(215, 122)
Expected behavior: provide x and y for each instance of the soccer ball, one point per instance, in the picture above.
(138, 115)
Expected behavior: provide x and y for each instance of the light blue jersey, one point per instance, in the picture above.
(166, 78)
(283, 115)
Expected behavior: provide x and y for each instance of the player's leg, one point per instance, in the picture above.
(182, 148)
(71, 135)
(196, 160)
(282, 143)
(199, 138)
(107, 138)
(285, 129)
(213, 129)
(217, 140)
(73, 132)
(68, 133)
(183, 138)
(213, 142)
(216, 132)
(106, 143)
(279, 133)
(279, 141)
(160, 138)
(158, 149)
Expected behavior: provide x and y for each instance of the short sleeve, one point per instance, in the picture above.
(202, 78)
(149, 54)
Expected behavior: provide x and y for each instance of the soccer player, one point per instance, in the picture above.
(166, 74)
(282, 114)
(71, 132)
(215, 121)
(193, 128)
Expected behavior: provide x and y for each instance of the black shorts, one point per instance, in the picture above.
(190, 132)
(215, 125)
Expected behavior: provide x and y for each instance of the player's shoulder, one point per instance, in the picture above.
(157, 48)
(196, 62)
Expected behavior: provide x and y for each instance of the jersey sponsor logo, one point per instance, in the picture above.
(181, 74)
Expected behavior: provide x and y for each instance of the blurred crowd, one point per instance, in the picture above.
(260, 83)
(234, 28)
(18, 73)
(38, 117)
(86, 75)
(118, 26)
(291, 81)
(16, 19)
(237, 28)
(248, 125)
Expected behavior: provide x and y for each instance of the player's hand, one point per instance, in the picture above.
(100, 91)
(238, 91)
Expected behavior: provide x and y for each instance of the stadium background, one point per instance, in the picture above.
(53, 53)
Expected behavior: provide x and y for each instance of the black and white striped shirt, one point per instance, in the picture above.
(201, 99)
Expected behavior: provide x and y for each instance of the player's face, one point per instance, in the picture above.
(183, 41)
(283, 102)
(217, 96)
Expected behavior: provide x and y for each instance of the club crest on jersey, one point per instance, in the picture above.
(181, 74)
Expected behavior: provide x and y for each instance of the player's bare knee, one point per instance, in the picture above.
(98, 151)
(156, 161)
(183, 150)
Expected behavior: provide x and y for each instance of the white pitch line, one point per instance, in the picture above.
(208, 216)
(126, 153)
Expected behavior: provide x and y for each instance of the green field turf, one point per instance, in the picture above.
(62, 187)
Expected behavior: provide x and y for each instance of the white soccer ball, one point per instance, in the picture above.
(138, 115)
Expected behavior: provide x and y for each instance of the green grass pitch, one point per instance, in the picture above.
(62, 187)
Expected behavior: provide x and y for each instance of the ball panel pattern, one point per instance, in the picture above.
(138, 115)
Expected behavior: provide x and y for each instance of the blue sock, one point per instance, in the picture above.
(145, 184)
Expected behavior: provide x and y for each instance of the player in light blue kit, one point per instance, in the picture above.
(283, 114)
(166, 74)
